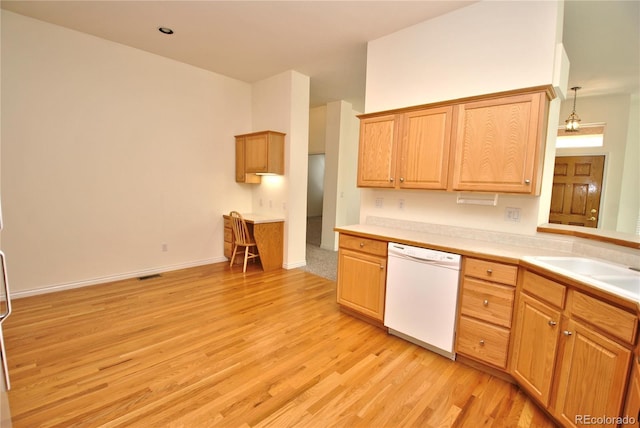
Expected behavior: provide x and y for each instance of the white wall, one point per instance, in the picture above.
(629, 209)
(621, 167)
(281, 103)
(108, 153)
(489, 46)
(342, 196)
(483, 48)
(317, 129)
(315, 184)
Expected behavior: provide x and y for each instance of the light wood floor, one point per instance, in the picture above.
(210, 346)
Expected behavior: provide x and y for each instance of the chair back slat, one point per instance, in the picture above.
(240, 230)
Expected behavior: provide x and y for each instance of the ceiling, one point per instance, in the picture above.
(327, 40)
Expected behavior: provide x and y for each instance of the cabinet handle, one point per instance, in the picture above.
(481, 342)
(552, 323)
(391, 179)
(527, 181)
(401, 179)
(489, 271)
(567, 333)
(381, 267)
(486, 302)
(361, 244)
(592, 219)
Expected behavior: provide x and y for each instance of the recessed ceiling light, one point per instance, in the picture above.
(165, 30)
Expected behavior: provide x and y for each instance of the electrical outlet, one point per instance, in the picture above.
(165, 248)
(379, 202)
(401, 204)
(512, 214)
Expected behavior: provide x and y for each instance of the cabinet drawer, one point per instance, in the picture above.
(545, 289)
(608, 318)
(483, 341)
(487, 301)
(365, 245)
(491, 271)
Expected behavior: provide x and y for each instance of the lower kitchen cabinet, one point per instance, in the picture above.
(486, 309)
(535, 346)
(592, 375)
(632, 408)
(362, 273)
(572, 355)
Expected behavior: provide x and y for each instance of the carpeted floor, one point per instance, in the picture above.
(320, 262)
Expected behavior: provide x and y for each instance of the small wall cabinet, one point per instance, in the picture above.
(362, 273)
(259, 153)
(492, 143)
(406, 151)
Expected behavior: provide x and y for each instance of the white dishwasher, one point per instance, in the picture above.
(422, 295)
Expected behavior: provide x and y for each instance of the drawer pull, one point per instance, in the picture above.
(567, 333)
(489, 271)
(552, 323)
(486, 302)
(381, 267)
(361, 244)
(481, 342)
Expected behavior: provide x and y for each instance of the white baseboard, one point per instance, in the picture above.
(294, 264)
(116, 277)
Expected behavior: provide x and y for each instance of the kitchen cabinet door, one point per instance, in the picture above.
(241, 174)
(499, 144)
(264, 152)
(424, 151)
(592, 375)
(632, 408)
(361, 282)
(377, 151)
(535, 346)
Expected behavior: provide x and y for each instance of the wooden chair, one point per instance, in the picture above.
(242, 238)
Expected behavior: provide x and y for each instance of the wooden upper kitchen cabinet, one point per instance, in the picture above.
(408, 150)
(488, 143)
(362, 273)
(259, 153)
(499, 144)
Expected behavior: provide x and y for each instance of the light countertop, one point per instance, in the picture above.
(499, 251)
(453, 244)
(261, 218)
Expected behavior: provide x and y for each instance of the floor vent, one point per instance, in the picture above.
(155, 275)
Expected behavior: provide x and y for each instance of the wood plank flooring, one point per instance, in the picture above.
(211, 346)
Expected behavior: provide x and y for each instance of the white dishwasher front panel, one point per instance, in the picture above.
(421, 298)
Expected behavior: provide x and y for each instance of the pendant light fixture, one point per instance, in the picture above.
(572, 124)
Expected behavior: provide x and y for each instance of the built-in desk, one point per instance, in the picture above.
(268, 233)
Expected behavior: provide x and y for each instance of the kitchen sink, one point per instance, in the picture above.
(612, 277)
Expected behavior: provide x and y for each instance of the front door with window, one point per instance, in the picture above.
(577, 185)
